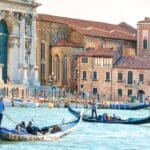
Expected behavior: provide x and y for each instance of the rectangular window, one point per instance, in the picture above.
(129, 92)
(145, 44)
(107, 76)
(94, 91)
(141, 77)
(145, 39)
(84, 75)
(119, 92)
(119, 76)
(84, 60)
(94, 75)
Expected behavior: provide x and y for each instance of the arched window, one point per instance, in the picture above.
(57, 60)
(130, 77)
(3, 47)
(145, 39)
(42, 61)
(64, 75)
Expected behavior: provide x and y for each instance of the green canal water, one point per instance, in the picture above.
(88, 136)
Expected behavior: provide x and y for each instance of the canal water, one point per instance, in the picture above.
(88, 136)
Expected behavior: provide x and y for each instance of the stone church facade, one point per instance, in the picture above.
(18, 41)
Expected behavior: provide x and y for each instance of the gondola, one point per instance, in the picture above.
(54, 132)
(88, 118)
(125, 106)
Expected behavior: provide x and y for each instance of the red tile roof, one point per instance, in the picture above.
(66, 43)
(132, 62)
(127, 27)
(91, 52)
(92, 28)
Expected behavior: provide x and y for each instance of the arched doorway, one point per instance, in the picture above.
(3, 47)
(141, 95)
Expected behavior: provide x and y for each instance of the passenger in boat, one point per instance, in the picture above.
(21, 128)
(114, 117)
(32, 129)
(2, 108)
(93, 107)
(104, 117)
(55, 128)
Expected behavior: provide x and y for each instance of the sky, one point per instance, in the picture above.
(109, 11)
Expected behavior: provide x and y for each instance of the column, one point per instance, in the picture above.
(33, 44)
(25, 75)
(22, 40)
(36, 82)
(33, 51)
(1, 67)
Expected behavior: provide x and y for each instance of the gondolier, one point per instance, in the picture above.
(93, 108)
(2, 108)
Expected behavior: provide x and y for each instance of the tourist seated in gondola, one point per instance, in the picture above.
(103, 117)
(114, 117)
(55, 128)
(50, 129)
(21, 128)
(32, 129)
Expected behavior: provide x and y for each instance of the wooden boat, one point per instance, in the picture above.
(53, 132)
(125, 106)
(88, 118)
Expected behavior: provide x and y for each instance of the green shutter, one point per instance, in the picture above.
(144, 44)
(3, 48)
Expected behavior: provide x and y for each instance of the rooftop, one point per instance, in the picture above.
(93, 28)
(132, 62)
(91, 52)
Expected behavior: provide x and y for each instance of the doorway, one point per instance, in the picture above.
(141, 95)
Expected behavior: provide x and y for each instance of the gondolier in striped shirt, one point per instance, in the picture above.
(2, 108)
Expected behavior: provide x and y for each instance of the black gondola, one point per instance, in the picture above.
(56, 132)
(88, 118)
(124, 106)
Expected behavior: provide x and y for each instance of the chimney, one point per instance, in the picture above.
(147, 18)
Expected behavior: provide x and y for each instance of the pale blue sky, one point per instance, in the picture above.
(110, 11)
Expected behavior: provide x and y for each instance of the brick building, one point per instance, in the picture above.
(117, 76)
(60, 39)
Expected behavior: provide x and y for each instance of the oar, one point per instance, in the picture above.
(86, 111)
(10, 119)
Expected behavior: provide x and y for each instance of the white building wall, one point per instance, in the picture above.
(15, 14)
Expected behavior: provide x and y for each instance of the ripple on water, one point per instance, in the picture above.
(89, 136)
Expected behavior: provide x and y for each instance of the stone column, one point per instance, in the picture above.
(1, 80)
(25, 76)
(33, 46)
(33, 50)
(36, 82)
(22, 40)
